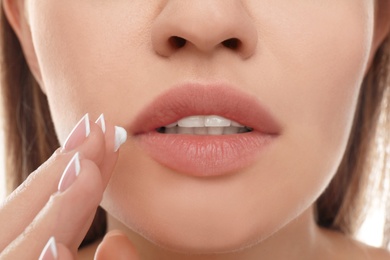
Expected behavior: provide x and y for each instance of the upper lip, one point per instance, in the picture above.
(202, 99)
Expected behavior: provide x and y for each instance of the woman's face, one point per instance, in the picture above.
(301, 61)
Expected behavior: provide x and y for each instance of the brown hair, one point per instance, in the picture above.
(30, 139)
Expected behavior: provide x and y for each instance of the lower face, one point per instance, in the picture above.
(307, 67)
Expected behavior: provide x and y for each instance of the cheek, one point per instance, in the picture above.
(315, 67)
(87, 54)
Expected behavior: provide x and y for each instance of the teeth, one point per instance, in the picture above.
(236, 124)
(171, 130)
(215, 130)
(201, 131)
(171, 125)
(204, 125)
(186, 130)
(192, 121)
(204, 121)
(216, 121)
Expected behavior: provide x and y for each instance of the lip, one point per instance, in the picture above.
(206, 155)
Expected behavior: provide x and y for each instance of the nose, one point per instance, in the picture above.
(204, 25)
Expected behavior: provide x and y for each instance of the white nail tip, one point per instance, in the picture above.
(87, 125)
(77, 167)
(101, 122)
(49, 247)
(84, 120)
(75, 163)
(120, 137)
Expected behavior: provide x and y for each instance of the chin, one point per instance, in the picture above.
(194, 216)
(205, 241)
(199, 233)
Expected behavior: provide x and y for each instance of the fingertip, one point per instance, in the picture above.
(54, 251)
(64, 253)
(114, 233)
(116, 245)
(112, 140)
(50, 251)
(101, 122)
(92, 145)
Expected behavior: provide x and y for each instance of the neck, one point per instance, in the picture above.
(300, 239)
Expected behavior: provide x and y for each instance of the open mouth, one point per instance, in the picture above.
(204, 130)
(204, 125)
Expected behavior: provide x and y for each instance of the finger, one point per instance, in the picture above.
(114, 137)
(54, 250)
(116, 245)
(33, 194)
(64, 253)
(66, 216)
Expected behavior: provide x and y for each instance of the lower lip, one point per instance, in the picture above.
(205, 155)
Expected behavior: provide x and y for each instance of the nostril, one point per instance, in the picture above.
(177, 42)
(232, 43)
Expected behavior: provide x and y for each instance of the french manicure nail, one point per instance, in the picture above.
(101, 122)
(120, 137)
(78, 134)
(49, 252)
(72, 170)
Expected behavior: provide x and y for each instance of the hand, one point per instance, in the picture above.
(58, 203)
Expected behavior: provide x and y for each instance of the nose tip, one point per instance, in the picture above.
(206, 27)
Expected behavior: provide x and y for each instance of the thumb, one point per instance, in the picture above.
(116, 245)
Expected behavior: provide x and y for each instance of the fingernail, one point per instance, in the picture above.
(114, 233)
(78, 134)
(49, 252)
(101, 122)
(120, 137)
(72, 170)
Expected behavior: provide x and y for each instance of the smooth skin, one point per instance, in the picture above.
(304, 60)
